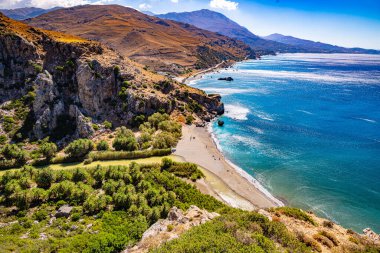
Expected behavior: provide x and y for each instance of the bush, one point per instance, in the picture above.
(13, 152)
(40, 215)
(79, 148)
(125, 144)
(48, 150)
(107, 124)
(3, 139)
(102, 146)
(120, 155)
(164, 140)
(45, 178)
(156, 118)
(295, 213)
(189, 119)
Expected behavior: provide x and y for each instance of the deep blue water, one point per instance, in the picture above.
(307, 126)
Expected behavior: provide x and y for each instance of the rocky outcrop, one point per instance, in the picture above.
(168, 229)
(78, 83)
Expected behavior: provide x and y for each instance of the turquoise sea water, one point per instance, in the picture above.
(307, 126)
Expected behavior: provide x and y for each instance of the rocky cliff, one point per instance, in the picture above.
(63, 84)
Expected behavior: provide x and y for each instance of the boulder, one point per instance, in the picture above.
(64, 211)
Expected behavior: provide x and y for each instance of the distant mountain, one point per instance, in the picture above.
(217, 22)
(149, 13)
(163, 45)
(24, 13)
(317, 47)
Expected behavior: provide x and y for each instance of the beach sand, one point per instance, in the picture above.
(223, 180)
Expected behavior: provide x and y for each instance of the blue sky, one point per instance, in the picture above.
(347, 23)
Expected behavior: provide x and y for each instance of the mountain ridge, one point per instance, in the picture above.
(316, 45)
(218, 22)
(160, 44)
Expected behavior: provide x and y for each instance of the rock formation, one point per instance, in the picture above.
(77, 83)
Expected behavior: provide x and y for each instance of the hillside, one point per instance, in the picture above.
(159, 44)
(217, 22)
(24, 13)
(59, 85)
(317, 47)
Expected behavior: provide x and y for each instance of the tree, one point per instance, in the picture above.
(164, 140)
(79, 148)
(13, 152)
(45, 178)
(48, 150)
(125, 143)
(156, 118)
(102, 146)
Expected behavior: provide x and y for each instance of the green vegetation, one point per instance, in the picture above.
(79, 148)
(236, 231)
(48, 150)
(121, 155)
(12, 155)
(125, 140)
(295, 213)
(113, 206)
(107, 124)
(102, 146)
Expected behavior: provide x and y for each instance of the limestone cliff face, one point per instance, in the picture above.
(77, 83)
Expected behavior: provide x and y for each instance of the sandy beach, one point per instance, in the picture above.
(223, 180)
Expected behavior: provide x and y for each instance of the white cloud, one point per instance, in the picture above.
(224, 4)
(145, 6)
(174, 1)
(53, 3)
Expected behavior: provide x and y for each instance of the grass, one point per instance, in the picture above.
(68, 166)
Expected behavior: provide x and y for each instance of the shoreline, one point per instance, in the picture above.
(242, 172)
(229, 182)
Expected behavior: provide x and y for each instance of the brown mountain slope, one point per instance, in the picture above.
(58, 85)
(160, 44)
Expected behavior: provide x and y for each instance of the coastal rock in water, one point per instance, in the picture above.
(171, 228)
(229, 79)
(220, 123)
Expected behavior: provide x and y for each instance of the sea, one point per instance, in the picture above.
(307, 127)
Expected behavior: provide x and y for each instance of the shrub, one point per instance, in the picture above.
(120, 155)
(13, 152)
(107, 124)
(164, 140)
(48, 150)
(40, 215)
(79, 148)
(324, 240)
(95, 127)
(125, 144)
(328, 224)
(75, 216)
(156, 118)
(189, 119)
(331, 237)
(295, 213)
(102, 146)
(38, 68)
(171, 127)
(45, 178)
(3, 139)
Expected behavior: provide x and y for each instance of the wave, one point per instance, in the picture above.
(236, 112)
(231, 91)
(256, 130)
(367, 120)
(242, 172)
(335, 77)
(306, 112)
